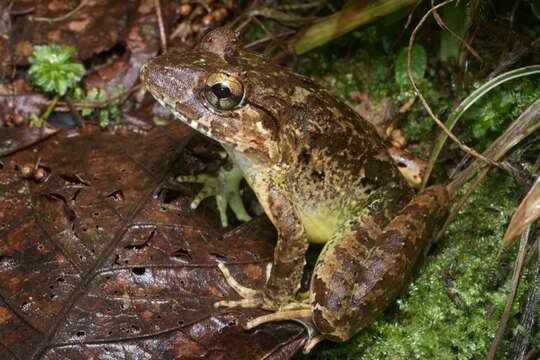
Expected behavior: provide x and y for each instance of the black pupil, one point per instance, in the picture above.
(221, 90)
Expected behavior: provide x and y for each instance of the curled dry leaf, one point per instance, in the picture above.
(102, 258)
(527, 212)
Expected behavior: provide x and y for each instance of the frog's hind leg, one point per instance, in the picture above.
(363, 271)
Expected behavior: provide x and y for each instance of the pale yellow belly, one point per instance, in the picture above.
(320, 225)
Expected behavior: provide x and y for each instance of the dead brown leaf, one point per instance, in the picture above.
(104, 259)
(527, 213)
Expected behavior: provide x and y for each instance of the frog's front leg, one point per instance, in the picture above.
(287, 267)
(225, 186)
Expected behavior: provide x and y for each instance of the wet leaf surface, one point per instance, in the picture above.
(104, 259)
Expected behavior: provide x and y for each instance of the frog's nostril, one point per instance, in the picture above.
(143, 72)
(148, 76)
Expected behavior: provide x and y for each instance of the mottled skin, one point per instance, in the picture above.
(321, 173)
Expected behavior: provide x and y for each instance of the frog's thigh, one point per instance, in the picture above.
(360, 273)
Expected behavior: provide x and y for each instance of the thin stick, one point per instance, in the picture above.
(443, 26)
(98, 104)
(524, 338)
(78, 118)
(463, 199)
(462, 146)
(510, 298)
(161, 25)
(62, 17)
(269, 39)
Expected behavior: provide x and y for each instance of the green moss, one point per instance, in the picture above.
(452, 309)
(487, 119)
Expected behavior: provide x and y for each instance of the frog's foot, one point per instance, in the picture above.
(250, 297)
(225, 187)
(299, 311)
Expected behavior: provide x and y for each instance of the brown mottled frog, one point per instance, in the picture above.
(321, 174)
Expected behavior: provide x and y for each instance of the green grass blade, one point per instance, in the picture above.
(470, 101)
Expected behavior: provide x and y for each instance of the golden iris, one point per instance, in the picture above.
(223, 91)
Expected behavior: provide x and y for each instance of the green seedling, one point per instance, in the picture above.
(55, 70)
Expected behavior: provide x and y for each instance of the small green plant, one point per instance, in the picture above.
(107, 114)
(419, 65)
(55, 70)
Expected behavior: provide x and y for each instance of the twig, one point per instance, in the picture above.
(161, 25)
(535, 249)
(269, 38)
(527, 122)
(528, 318)
(239, 26)
(19, 12)
(510, 298)
(411, 13)
(524, 125)
(269, 33)
(62, 17)
(442, 24)
(463, 199)
(453, 294)
(98, 104)
(515, 56)
(462, 146)
(78, 118)
(306, 6)
(49, 109)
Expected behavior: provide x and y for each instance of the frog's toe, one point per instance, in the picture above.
(205, 192)
(299, 312)
(226, 189)
(255, 302)
(238, 208)
(199, 179)
(244, 292)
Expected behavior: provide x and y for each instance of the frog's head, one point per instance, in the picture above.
(209, 89)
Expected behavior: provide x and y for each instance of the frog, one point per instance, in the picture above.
(322, 175)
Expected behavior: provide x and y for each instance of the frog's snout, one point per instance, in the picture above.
(155, 79)
(144, 72)
(148, 74)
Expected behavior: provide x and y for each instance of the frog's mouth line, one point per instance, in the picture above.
(178, 115)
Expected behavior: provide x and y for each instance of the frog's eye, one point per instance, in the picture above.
(223, 91)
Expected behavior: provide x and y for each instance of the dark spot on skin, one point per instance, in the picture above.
(366, 184)
(318, 175)
(321, 323)
(304, 157)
